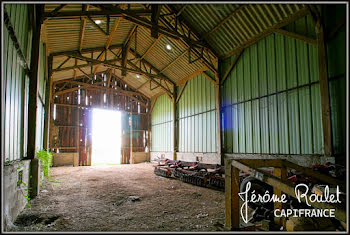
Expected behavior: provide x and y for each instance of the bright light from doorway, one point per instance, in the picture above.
(106, 137)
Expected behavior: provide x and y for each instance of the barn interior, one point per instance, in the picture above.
(173, 107)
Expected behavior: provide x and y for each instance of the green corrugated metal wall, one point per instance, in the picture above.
(41, 102)
(162, 125)
(271, 99)
(196, 119)
(336, 52)
(15, 84)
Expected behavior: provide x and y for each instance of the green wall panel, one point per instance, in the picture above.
(197, 119)
(14, 93)
(266, 117)
(162, 125)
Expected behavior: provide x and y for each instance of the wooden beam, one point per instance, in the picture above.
(296, 36)
(210, 79)
(335, 29)
(85, 50)
(116, 12)
(108, 42)
(152, 79)
(82, 27)
(96, 25)
(83, 65)
(324, 89)
(233, 64)
(156, 9)
(33, 86)
(172, 62)
(126, 48)
(232, 215)
(303, 12)
(223, 21)
(218, 117)
(152, 106)
(180, 93)
(192, 75)
(57, 9)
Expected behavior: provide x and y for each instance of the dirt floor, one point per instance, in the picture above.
(121, 198)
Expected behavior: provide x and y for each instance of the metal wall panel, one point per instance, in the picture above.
(162, 125)
(196, 117)
(260, 114)
(14, 93)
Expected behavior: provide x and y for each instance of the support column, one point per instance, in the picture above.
(174, 125)
(280, 173)
(48, 107)
(131, 142)
(324, 88)
(218, 121)
(232, 215)
(33, 96)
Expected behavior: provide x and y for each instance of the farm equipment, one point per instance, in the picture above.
(213, 176)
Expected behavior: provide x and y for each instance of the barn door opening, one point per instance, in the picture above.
(106, 137)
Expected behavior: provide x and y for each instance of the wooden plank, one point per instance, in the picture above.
(192, 75)
(180, 93)
(296, 36)
(228, 71)
(324, 89)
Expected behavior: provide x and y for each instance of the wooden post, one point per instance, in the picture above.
(232, 215)
(324, 88)
(77, 132)
(131, 135)
(174, 124)
(33, 96)
(218, 121)
(149, 132)
(48, 94)
(282, 174)
(33, 83)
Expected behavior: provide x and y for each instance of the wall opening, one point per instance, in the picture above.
(106, 137)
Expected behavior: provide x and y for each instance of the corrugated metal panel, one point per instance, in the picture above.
(247, 21)
(197, 119)
(288, 122)
(15, 83)
(162, 123)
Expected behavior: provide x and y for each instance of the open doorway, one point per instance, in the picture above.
(106, 137)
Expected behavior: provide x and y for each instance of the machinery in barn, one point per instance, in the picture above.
(213, 176)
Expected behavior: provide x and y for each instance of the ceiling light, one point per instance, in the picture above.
(98, 21)
(138, 76)
(168, 47)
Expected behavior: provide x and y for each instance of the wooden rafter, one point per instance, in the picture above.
(192, 75)
(173, 62)
(57, 9)
(108, 42)
(83, 65)
(223, 21)
(228, 71)
(296, 36)
(304, 11)
(82, 28)
(126, 48)
(204, 61)
(181, 91)
(210, 79)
